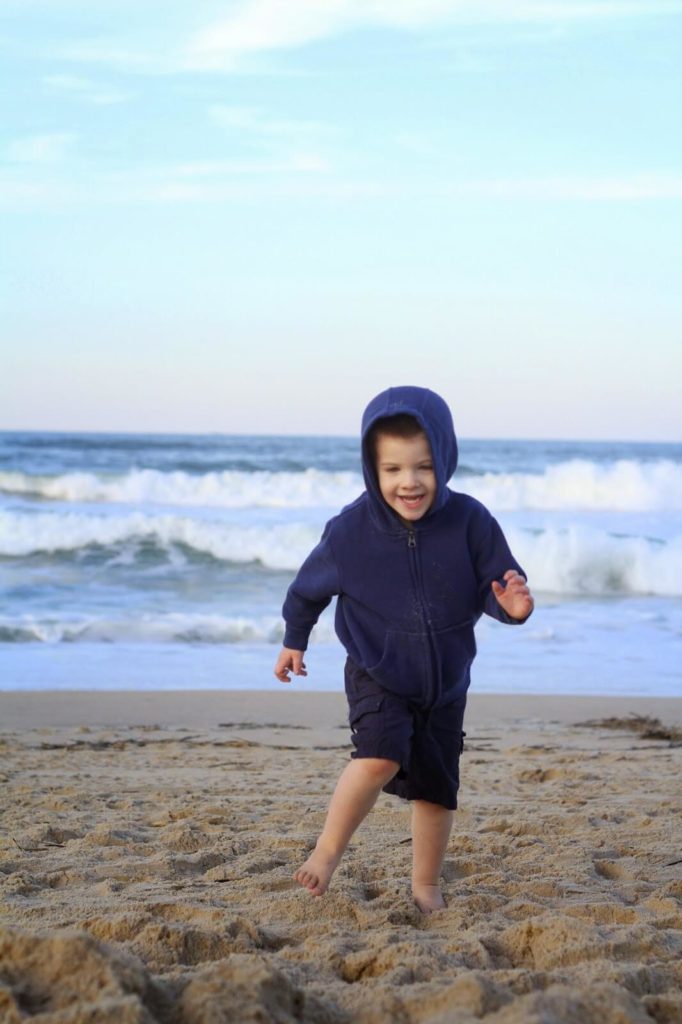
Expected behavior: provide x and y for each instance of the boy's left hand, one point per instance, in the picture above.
(515, 598)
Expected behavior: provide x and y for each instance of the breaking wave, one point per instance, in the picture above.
(576, 559)
(150, 628)
(228, 489)
(623, 485)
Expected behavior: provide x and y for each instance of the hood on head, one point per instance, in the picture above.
(433, 415)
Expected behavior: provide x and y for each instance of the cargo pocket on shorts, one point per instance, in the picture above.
(445, 727)
(364, 722)
(364, 706)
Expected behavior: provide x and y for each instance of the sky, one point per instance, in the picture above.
(251, 216)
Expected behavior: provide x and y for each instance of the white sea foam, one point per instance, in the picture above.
(580, 559)
(576, 559)
(229, 489)
(623, 485)
(277, 547)
(186, 628)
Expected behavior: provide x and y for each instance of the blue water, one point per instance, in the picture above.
(161, 561)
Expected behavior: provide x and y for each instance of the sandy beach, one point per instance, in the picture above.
(148, 842)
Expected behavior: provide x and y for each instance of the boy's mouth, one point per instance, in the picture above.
(411, 500)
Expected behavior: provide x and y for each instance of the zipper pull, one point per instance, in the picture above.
(411, 539)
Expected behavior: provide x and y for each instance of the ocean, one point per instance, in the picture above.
(157, 562)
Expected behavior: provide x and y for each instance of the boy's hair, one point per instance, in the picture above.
(400, 425)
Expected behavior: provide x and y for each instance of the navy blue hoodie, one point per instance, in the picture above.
(408, 597)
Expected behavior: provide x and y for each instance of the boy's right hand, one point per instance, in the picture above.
(289, 661)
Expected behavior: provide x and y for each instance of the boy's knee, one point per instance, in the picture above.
(379, 768)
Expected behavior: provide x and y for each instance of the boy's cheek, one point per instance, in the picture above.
(428, 505)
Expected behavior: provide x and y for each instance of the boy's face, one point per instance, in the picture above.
(405, 473)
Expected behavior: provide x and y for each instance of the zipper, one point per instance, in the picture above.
(412, 544)
(414, 565)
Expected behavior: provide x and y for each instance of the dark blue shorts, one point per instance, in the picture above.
(425, 743)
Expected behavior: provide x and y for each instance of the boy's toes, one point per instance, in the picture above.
(316, 872)
(306, 879)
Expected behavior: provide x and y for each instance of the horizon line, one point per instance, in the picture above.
(340, 436)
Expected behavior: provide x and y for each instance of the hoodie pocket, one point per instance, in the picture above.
(415, 663)
(405, 663)
(455, 650)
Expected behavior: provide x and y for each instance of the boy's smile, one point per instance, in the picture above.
(405, 475)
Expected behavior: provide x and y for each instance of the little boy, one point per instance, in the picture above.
(414, 566)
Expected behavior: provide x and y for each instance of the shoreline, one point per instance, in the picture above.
(314, 709)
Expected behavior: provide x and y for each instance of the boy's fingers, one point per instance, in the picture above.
(289, 661)
(282, 669)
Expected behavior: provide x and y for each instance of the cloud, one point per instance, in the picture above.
(308, 176)
(255, 26)
(198, 181)
(40, 149)
(253, 121)
(214, 182)
(299, 163)
(282, 144)
(163, 61)
(84, 89)
(616, 189)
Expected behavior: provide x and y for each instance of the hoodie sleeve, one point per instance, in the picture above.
(316, 582)
(492, 558)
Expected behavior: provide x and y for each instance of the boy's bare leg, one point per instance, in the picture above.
(431, 826)
(355, 794)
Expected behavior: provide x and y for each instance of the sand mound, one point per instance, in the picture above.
(245, 989)
(69, 976)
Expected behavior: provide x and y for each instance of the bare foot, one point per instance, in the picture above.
(428, 898)
(317, 871)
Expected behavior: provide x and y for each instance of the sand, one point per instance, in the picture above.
(148, 840)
